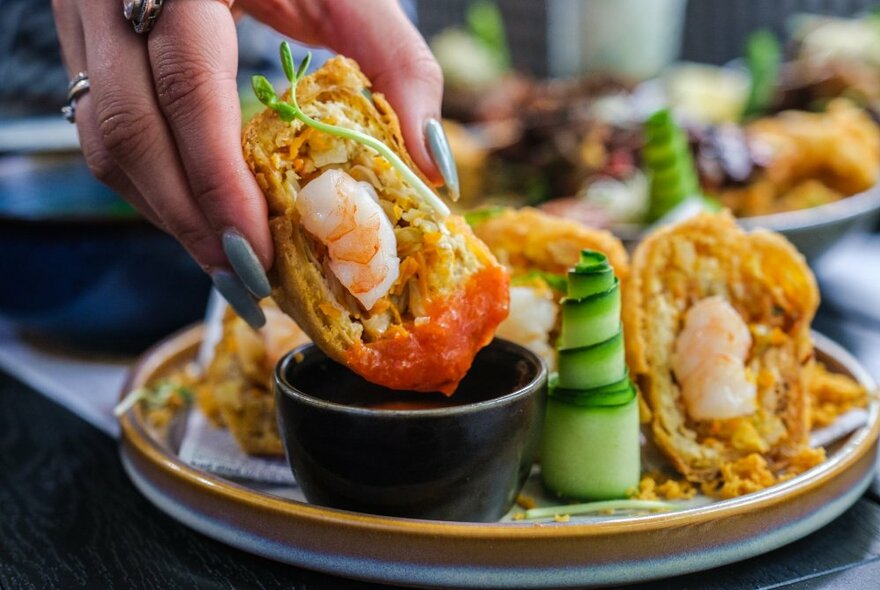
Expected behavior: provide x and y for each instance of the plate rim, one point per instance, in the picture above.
(184, 342)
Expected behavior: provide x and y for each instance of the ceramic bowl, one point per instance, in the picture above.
(358, 446)
(813, 231)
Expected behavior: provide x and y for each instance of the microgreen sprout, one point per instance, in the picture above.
(290, 110)
(600, 507)
(155, 397)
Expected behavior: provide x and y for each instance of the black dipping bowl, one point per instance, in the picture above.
(80, 267)
(461, 458)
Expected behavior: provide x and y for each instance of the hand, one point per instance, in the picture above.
(161, 124)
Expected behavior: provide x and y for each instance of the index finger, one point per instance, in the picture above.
(194, 57)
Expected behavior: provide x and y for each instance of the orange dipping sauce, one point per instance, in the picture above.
(436, 355)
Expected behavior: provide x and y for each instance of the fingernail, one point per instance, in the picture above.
(245, 263)
(234, 291)
(438, 144)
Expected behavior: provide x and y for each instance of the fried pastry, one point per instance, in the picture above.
(539, 249)
(717, 331)
(236, 388)
(379, 279)
(527, 239)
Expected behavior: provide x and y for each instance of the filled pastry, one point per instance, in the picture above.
(717, 326)
(367, 260)
(539, 249)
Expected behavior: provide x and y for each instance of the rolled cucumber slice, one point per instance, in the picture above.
(591, 432)
(582, 284)
(591, 453)
(590, 320)
(615, 394)
(668, 163)
(593, 366)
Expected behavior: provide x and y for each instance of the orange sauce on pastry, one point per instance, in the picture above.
(435, 355)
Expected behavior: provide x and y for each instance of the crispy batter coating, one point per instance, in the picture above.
(527, 239)
(236, 390)
(768, 283)
(813, 159)
(832, 395)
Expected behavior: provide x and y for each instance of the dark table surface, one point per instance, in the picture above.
(70, 518)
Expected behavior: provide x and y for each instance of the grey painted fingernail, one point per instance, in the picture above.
(245, 263)
(438, 144)
(234, 291)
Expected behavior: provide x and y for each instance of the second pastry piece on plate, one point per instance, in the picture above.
(718, 338)
(375, 273)
(539, 249)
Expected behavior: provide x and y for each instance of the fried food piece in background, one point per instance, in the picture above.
(236, 389)
(808, 159)
(526, 239)
(470, 159)
(768, 284)
(832, 395)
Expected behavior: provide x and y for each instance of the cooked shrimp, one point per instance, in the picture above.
(709, 362)
(531, 319)
(345, 215)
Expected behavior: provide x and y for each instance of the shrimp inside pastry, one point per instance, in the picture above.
(372, 272)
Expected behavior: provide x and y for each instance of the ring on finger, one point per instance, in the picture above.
(78, 86)
(142, 14)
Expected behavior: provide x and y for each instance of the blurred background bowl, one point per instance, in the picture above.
(814, 231)
(80, 267)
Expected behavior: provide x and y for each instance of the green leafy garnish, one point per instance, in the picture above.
(478, 216)
(485, 22)
(601, 506)
(763, 58)
(290, 111)
(669, 164)
(155, 397)
(556, 282)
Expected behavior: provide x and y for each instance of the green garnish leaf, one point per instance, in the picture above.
(478, 216)
(288, 111)
(304, 66)
(264, 91)
(287, 61)
(556, 282)
(185, 394)
(763, 58)
(486, 24)
(155, 396)
(601, 506)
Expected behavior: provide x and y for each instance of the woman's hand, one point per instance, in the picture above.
(161, 124)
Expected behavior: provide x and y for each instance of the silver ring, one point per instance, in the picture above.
(142, 14)
(77, 87)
